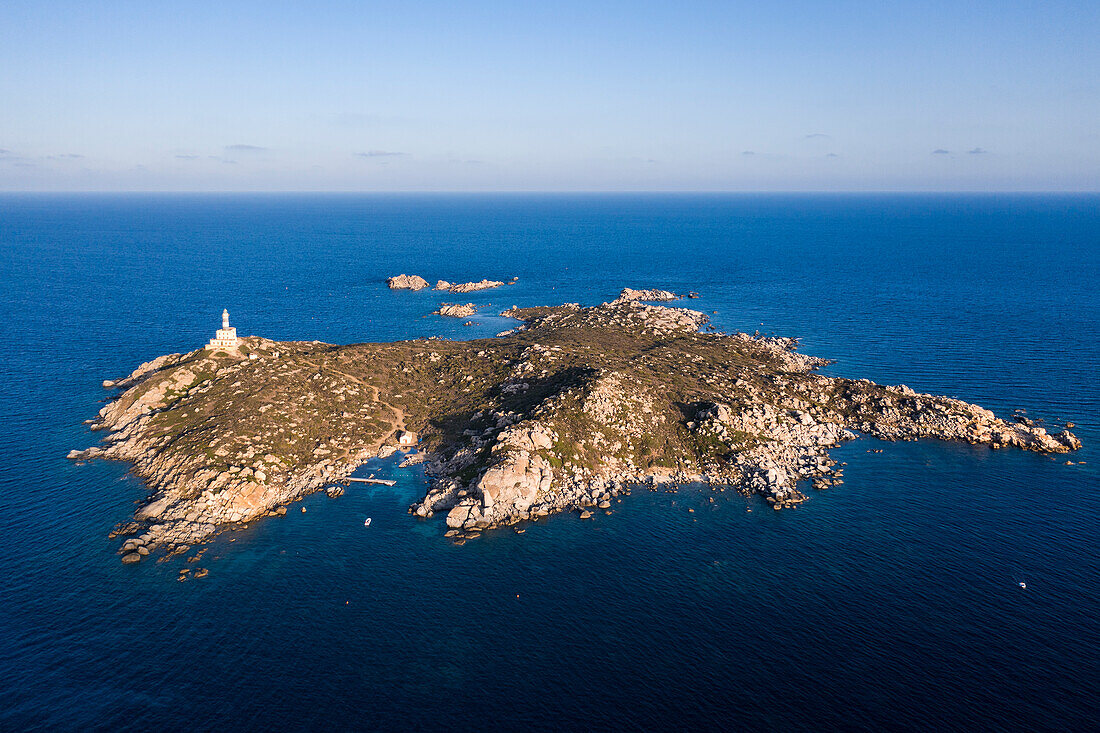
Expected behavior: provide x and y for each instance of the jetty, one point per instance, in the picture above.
(383, 481)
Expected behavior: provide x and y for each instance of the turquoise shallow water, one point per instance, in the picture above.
(888, 602)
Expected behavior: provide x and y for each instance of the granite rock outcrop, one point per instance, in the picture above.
(456, 310)
(406, 282)
(468, 287)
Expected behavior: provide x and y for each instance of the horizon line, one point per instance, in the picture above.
(588, 192)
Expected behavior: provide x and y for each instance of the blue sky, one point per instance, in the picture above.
(560, 95)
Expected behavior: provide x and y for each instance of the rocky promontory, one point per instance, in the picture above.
(576, 406)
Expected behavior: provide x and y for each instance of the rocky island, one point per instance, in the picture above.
(469, 287)
(406, 282)
(415, 282)
(577, 405)
(456, 310)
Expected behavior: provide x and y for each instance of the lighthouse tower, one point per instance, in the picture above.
(226, 336)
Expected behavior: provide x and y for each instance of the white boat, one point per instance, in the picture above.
(367, 523)
(1022, 584)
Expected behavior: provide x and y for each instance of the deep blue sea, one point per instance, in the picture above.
(889, 602)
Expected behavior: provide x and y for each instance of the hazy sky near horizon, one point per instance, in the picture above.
(566, 95)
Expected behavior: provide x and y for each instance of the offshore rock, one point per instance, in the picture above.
(407, 282)
(468, 287)
(456, 311)
(629, 294)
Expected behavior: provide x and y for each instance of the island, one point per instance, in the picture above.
(415, 282)
(573, 407)
(468, 287)
(456, 310)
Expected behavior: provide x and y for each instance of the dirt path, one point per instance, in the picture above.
(397, 422)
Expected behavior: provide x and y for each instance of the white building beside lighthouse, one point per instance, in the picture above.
(226, 336)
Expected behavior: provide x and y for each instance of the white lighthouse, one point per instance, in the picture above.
(226, 337)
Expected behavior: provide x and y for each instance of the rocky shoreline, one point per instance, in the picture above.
(575, 407)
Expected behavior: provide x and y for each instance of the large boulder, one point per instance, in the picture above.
(153, 509)
(1068, 439)
(466, 513)
(775, 476)
(512, 485)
